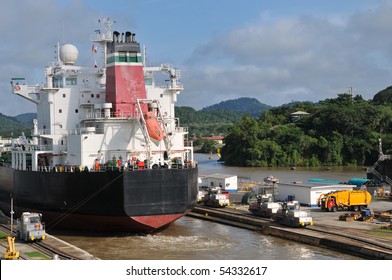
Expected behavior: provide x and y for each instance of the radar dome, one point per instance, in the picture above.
(69, 54)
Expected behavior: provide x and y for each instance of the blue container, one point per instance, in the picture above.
(358, 181)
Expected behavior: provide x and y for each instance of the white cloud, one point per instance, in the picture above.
(299, 58)
(29, 30)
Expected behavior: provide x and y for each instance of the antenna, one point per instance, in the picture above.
(58, 52)
(12, 212)
(63, 33)
(107, 23)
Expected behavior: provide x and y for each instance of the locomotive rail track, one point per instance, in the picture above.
(43, 247)
(50, 251)
(353, 241)
(347, 233)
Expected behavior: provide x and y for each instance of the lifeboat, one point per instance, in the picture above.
(153, 127)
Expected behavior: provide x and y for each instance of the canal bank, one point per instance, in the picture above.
(51, 248)
(362, 239)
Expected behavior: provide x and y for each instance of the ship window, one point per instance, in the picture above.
(34, 220)
(76, 111)
(60, 111)
(70, 81)
(64, 95)
(58, 82)
(161, 95)
(92, 95)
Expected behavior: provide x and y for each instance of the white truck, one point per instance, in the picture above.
(29, 227)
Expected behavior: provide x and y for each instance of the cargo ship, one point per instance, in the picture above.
(106, 152)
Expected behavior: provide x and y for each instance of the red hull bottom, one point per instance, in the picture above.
(156, 222)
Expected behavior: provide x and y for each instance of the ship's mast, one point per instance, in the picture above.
(103, 37)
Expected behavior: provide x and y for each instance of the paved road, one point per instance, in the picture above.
(332, 218)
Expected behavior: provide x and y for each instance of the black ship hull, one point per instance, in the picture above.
(111, 201)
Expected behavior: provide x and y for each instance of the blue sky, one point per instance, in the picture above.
(277, 51)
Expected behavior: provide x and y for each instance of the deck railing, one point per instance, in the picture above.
(108, 168)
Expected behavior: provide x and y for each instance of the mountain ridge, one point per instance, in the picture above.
(242, 105)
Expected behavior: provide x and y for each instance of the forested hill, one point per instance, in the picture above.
(338, 131)
(240, 106)
(26, 118)
(206, 123)
(216, 119)
(10, 126)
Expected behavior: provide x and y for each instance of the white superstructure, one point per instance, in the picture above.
(76, 126)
